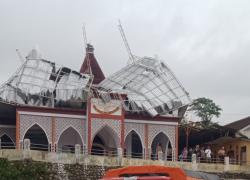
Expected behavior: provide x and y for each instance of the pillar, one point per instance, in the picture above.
(144, 156)
(119, 152)
(26, 149)
(77, 152)
(226, 163)
(149, 153)
(194, 162)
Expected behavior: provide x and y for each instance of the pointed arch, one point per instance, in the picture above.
(35, 124)
(141, 139)
(68, 138)
(133, 145)
(7, 142)
(105, 141)
(160, 144)
(38, 137)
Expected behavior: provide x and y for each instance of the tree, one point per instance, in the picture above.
(206, 109)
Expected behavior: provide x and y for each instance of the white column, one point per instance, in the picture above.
(129, 146)
(20, 144)
(174, 157)
(194, 162)
(85, 150)
(149, 153)
(160, 156)
(119, 152)
(26, 149)
(77, 152)
(226, 164)
(144, 156)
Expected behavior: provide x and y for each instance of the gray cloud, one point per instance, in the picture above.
(204, 42)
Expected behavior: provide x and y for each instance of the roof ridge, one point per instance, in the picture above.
(239, 124)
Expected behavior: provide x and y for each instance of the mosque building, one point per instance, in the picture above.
(135, 111)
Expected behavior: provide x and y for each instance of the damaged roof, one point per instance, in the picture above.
(40, 82)
(150, 86)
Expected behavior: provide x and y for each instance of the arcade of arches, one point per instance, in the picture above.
(106, 142)
(105, 136)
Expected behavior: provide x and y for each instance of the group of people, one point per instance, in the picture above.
(202, 154)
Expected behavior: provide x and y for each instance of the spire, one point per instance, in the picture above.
(91, 66)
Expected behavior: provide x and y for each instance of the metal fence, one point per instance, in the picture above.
(116, 153)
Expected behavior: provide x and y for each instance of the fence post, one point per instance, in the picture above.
(85, 150)
(20, 144)
(119, 150)
(149, 153)
(55, 147)
(77, 152)
(26, 149)
(174, 155)
(50, 147)
(85, 156)
(160, 156)
(194, 162)
(226, 163)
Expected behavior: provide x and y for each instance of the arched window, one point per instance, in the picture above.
(161, 147)
(6, 142)
(133, 145)
(68, 139)
(105, 142)
(38, 138)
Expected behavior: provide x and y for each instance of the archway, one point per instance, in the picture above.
(6, 142)
(133, 145)
(160, 145)
(38, 138)
(105, 142)
(68, 139)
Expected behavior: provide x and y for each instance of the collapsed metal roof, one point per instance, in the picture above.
(39, 82)
(149, 85)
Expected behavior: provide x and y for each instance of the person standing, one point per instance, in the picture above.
(184, 154)
(208, 154)
(203, 155)
(230, 154)
(221, 154)
(189, 155)
(197, 151)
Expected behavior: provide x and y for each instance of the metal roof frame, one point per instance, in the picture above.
(150, 86)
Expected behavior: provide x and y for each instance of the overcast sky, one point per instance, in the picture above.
(205, 43)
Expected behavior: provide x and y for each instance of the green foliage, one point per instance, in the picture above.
(206, 109)
(22, 170)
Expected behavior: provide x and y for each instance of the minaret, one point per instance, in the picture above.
(91, 66)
